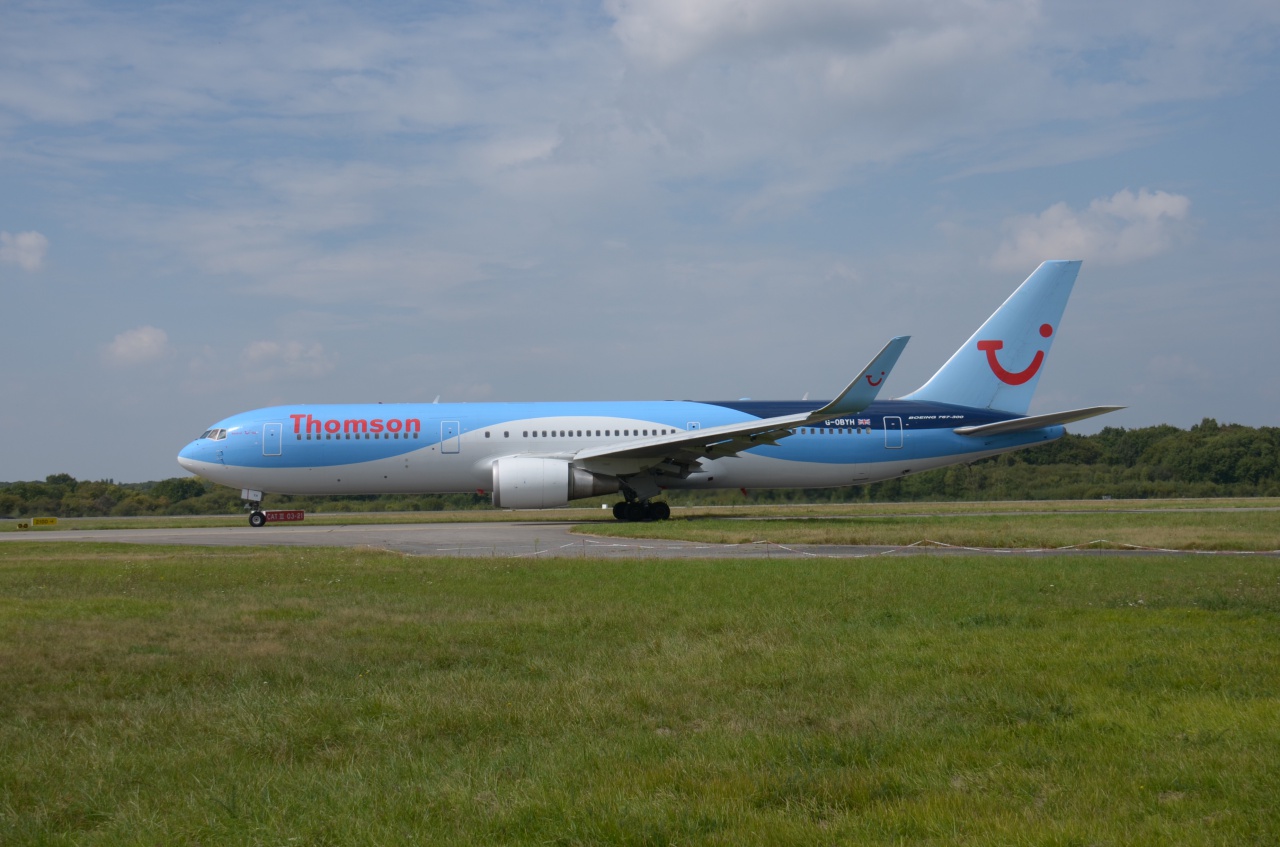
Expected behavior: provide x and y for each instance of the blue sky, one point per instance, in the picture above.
(209, 208)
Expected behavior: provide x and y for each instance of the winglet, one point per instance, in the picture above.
(860, 393)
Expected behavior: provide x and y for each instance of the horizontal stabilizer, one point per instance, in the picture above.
(1035, 421)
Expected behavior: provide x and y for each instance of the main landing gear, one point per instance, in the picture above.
(638, 511)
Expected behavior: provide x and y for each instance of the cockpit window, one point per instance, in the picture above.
(214, 434)
(206, 434)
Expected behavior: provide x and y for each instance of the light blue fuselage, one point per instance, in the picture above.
(447, 448)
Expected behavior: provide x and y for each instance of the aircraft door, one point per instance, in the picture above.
(450, 442)
(893, 433)
(271, 439)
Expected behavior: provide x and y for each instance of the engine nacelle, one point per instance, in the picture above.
(521, 482)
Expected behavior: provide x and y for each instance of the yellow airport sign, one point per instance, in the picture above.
(44, 521)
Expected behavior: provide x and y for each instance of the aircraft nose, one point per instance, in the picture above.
(189, 456)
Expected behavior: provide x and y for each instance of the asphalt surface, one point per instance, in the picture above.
(436, 539)
(504, 540)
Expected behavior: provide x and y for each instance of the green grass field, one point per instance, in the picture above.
(287, 696)
(1221, 528)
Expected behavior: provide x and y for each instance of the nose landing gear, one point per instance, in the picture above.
(253, 502)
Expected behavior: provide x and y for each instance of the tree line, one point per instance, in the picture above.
(1207, 460)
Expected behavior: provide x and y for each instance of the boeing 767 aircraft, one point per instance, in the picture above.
(545, 454)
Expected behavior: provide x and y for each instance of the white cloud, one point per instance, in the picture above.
(806, 93)
(244, 371)
(829, 82)
(138, 346)
(267, 360)
(1116, 230)
(671, 32)
(504, 134)
(26, 249)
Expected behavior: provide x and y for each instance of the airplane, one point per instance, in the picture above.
(540, 455)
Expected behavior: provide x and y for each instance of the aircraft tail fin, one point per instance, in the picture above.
(1000, 365)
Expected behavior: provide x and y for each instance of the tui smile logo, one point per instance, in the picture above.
(874, 383)
(1011, 377)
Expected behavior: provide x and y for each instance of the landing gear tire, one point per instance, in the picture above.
(257, 519)
(637, 512)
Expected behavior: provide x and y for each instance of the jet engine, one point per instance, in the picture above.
(521, 482)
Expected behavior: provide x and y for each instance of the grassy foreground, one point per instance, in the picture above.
(286, 696)
(1221, 528)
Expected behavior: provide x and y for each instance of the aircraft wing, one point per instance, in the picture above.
(682, 450)
(1035, 421)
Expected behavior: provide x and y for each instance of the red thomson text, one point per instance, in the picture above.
(332, 426)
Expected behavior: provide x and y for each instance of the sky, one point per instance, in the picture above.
(209, 208)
